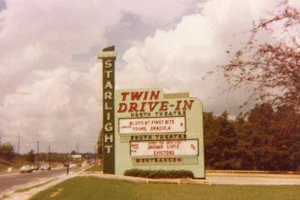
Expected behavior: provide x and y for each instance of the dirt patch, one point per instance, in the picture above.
(56, 192)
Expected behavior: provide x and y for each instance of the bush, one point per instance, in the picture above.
(159, 173)
(7, 151)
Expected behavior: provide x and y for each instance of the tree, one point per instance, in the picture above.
(286, 139)
(220, 142)
(7, 151)
(268, 139)
(99, 144)
(73, 152)
(272, 68)
(30, 156)
(271, 139)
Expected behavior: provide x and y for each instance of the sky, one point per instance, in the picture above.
(51, 80)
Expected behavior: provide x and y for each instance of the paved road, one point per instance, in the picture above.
(252, 179)
(10, 182)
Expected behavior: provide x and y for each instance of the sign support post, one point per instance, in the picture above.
(108, 56)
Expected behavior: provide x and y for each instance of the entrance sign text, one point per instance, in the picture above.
(164, 148)
(152, 125)
(158, 131)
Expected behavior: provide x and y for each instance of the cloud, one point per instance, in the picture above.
(50, 78)
(177, 59)
(47, 34)
(2, 4)
(155, 10)
(64, 103)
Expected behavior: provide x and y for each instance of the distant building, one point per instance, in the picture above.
(76, 157)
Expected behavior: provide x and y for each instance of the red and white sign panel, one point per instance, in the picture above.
(164, 148)
(152, 125)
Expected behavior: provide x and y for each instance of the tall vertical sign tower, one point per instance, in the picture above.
(108, 55)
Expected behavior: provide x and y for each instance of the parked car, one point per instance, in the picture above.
(25, 168)
(45, 167)
(34, 167)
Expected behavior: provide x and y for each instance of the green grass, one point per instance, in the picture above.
(15, 164)
(95, 188)
(95, 168)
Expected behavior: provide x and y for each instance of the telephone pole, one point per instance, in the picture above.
(96, 160)
(37, 151)
(18, 148)
(49, 156)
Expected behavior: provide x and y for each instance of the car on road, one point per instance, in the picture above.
(45, 167)
(34, 167)
(25, 168)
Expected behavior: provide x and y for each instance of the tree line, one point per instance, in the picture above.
(267, 139)
(7, 153)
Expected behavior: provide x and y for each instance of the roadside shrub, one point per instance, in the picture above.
(159, 173)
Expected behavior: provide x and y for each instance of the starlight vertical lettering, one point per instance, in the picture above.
(108, 55)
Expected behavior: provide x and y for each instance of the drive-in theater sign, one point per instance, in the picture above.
(148, 129)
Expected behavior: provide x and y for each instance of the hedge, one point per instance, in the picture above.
(159, 173)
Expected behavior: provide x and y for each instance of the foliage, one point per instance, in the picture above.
(270, 67)
(7, 151)
(58, 157)
(95, 168)
(53, 157)
(30, 156)
(267, 140)
(95, 188)
(73, 152)
(159, 173)
(99, 144)
(221, 140)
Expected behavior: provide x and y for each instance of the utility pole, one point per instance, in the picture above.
(49, 156)
(96, 154)
(18, 148)
(37, 151)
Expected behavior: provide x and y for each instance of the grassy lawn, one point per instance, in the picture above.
(95, 168)
(5, 164)
(95, 188)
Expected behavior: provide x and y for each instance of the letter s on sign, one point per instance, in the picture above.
(108, 63)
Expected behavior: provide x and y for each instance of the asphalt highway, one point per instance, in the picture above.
(9, 182)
